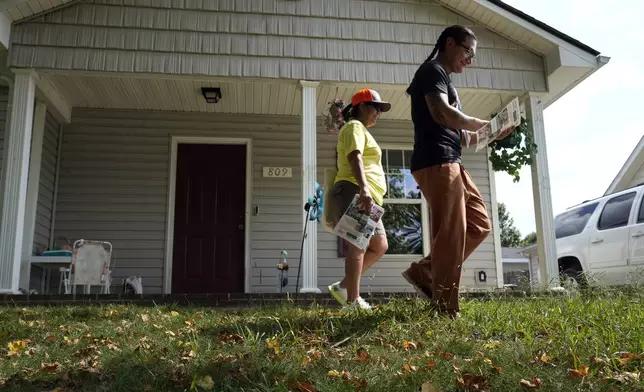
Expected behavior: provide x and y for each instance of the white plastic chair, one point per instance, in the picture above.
(91, 266)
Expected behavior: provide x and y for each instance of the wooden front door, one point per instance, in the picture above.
(210, 199)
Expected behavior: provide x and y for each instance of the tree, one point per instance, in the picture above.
(402, 221)
(529, 239)
(510, 235)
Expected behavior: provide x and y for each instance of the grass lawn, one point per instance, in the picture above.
(589, 342)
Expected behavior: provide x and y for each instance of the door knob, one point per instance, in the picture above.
(638, 234)
(596, 241)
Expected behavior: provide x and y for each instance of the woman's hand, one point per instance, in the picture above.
(365, 200)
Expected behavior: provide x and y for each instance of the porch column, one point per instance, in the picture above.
(35, 160)
(17, 144)
(546, 246)
(309, 174)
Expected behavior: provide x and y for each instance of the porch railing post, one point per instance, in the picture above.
(546, 243)
(17, 144)
(309, 174)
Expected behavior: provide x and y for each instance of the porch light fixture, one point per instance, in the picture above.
(211, 94)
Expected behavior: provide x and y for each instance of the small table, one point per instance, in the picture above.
(47, 263)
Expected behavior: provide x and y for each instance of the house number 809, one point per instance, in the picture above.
(278, 172)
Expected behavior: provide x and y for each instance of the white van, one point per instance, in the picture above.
(603, 238)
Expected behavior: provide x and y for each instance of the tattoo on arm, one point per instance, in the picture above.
(434, 103)
(445, 114)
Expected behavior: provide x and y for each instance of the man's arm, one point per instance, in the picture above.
(445, 114)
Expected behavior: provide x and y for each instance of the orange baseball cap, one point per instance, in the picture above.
(368, 95)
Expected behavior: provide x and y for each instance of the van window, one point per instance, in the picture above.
(640, 218)
(573, 222)
(616, 212)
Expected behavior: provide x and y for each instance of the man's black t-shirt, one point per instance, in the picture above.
(433, 143)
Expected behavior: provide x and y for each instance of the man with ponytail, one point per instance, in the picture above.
(459, 220)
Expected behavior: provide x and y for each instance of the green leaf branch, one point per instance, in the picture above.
(515, 151)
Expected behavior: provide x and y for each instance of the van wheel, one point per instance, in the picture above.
(573, 279)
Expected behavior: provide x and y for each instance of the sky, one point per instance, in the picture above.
(590, 131)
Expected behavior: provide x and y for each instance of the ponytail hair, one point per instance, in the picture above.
(456, 32)
(350, 112)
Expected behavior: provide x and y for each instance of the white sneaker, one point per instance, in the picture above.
(359, 303)
(338, 293)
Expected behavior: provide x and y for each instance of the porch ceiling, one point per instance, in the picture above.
(260, 97)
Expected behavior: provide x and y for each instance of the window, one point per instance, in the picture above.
(616, 212)
(640, 218)
(573, 222)
(405, 211)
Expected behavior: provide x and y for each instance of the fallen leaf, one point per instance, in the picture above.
(231, 338)
(535, 383)
(17, 346)
(70, 342)
(408, 345)
(578, 373)
(306, 361)
(205, 382)
(428, 387)
(362, 355)
(624, 378)
(171, 333)
(431, 364)
(625, 358)
(360, 384)
(492, 344)
(145, 318)
(544, 358)
(345, 375)
(301, 386)
(49, 367)
(473, 382)
(448, 356)
(174, 313)
(598, 361)
(188, 355)
(409, 368)
(50, 338)
(274, 344)
(333, 373)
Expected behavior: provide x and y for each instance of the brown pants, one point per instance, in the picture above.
(459, 223)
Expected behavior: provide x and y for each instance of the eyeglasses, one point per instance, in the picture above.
(470, 52)
(375, 105)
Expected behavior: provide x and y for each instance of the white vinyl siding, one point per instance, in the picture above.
(46, 187)
(114, 182)
(332, 40)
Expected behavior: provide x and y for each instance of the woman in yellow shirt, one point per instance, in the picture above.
(359, 172)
